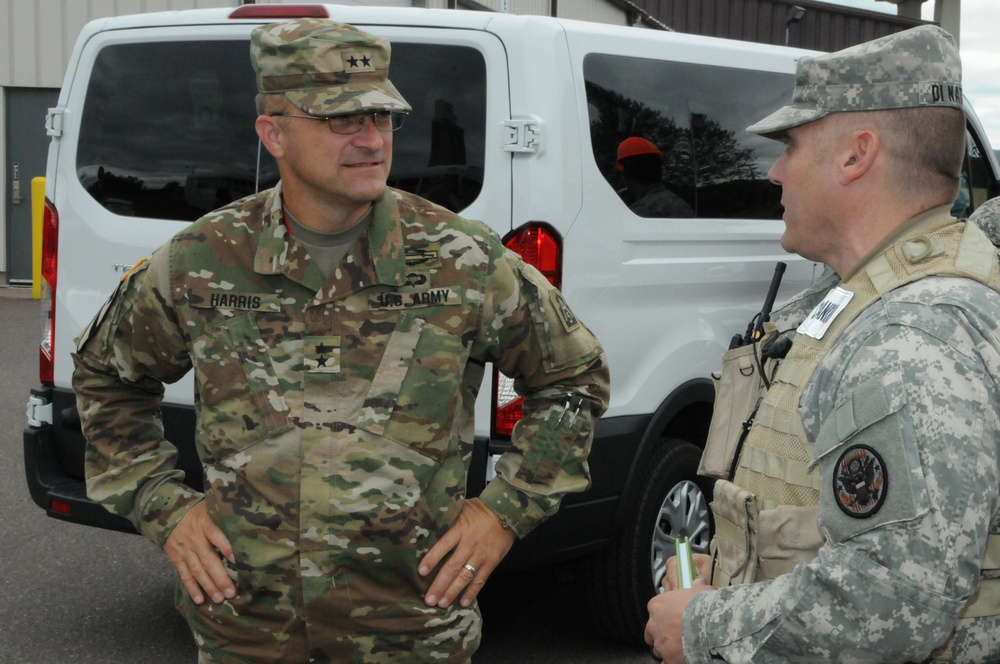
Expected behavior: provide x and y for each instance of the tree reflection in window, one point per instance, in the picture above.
(696, 115)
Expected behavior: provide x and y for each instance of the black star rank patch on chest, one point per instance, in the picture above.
(860, 482)
(322, 354)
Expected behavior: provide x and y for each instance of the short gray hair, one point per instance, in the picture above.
(268, 103)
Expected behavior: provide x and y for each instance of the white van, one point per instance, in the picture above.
(516, 121)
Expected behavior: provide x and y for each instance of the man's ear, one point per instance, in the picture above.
(270, 135)
(858, 154)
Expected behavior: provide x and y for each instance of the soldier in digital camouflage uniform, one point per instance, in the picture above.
(338, 332)
(860, 520)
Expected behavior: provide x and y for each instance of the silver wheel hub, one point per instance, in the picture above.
(684, 513)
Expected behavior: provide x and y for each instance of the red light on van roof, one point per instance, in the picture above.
(280, 11)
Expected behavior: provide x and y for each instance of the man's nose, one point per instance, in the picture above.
(369, 134)
(774, 173)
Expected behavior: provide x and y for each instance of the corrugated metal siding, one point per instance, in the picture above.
(527, 7)
(824, 27)
(597, 12)
(38, 35)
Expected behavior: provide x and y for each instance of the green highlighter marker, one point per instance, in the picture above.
(685, 564)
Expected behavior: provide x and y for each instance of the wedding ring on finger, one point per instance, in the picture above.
(472, 570)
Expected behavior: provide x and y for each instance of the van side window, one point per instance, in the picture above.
(167, 130)
(440, 151)
(681, 131)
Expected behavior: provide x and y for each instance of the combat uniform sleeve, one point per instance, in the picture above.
(123, 359)
(908, 466)
(558, 365)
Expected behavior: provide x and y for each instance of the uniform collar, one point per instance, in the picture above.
(377, 257)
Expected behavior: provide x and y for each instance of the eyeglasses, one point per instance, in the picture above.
(355, 122)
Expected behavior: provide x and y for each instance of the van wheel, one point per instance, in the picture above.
(672, 503)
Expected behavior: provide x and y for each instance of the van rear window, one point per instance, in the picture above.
(168, 127)
(695, 116)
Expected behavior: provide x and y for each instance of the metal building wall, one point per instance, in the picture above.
(529, 7)
(598, 11)
(824, 27)
(38, 35)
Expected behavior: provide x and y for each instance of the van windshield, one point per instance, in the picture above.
(167, 130)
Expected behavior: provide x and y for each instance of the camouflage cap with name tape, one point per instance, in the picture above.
(909, 69)
(324, 67)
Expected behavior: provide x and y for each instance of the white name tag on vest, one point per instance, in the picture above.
(819, 319)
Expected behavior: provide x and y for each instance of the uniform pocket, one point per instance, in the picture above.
(789, 535)
(240, 400)
(736, 515)
(737, 389)
(415, 393)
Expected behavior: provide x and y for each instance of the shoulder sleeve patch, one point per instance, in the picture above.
(860, 482)
(566, 316)
(564, 339)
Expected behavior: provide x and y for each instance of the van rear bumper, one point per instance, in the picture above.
(61, 496)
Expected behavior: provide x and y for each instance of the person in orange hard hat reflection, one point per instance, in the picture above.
(641, 163)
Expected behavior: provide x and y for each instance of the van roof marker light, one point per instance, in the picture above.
(280, 11)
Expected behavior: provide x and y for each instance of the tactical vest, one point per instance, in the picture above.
(766, 508)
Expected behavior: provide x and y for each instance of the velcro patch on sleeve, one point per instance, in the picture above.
(870, 464)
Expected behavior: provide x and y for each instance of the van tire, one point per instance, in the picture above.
(621, 579)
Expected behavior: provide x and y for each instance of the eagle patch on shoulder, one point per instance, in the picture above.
(860, 482)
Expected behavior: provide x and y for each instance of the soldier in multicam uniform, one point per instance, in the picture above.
(338, 332)
(857, 520)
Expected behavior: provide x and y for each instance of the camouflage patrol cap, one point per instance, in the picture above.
(987, 217)
(325, 68)
(913, 68)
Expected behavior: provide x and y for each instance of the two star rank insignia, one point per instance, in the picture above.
(322, 355)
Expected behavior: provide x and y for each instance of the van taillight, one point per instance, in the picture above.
(50, 244)
(277, 11)
(538, 245)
